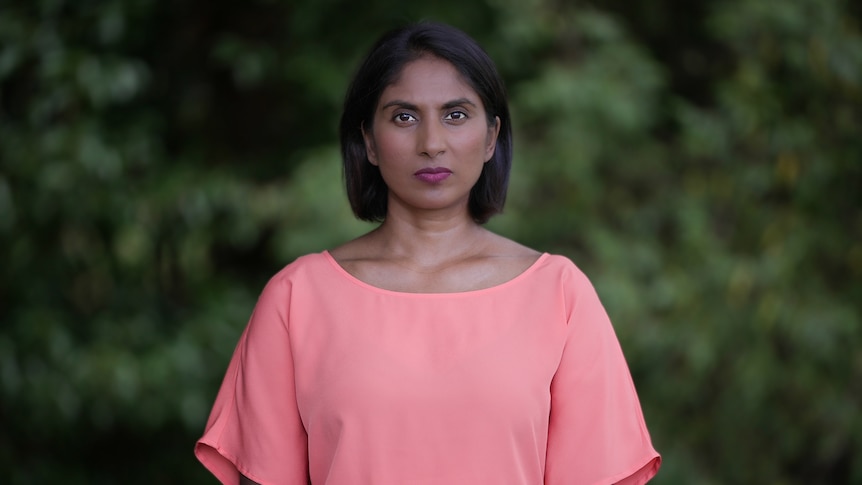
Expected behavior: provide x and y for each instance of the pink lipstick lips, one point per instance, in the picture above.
(433, 175)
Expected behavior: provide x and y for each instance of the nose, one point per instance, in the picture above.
(432, 139)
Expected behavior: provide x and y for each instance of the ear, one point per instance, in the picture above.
(491, 143)
(370, 150)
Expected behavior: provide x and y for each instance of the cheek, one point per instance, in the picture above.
(388, 146)
(481, 144)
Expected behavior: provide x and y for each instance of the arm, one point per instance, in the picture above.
(255, 420)
(596, 428)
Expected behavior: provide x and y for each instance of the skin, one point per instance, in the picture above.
(430, 117)
(428, 243)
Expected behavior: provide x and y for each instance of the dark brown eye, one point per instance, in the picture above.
(404, 118)
(456, 116)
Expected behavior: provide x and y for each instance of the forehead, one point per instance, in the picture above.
(430, 77)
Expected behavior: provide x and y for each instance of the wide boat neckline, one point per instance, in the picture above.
(512, 281)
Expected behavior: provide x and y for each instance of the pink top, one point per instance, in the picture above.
(521, 383)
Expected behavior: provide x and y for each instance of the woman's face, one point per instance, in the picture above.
(430, 138)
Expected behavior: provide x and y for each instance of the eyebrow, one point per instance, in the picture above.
(406, 105)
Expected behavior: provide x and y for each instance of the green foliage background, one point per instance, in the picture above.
(701, 161)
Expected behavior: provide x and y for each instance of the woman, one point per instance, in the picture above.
(430, 350)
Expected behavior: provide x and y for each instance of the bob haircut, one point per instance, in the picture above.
(366, 189)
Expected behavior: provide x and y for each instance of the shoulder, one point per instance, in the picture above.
(356, 249)
(564, 267)
(505, 252)
(567, 276)
(298, 279)
(550, 269)
(302, 264)
(301, 268)
(502, 245)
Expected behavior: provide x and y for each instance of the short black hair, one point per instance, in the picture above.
(366, 189)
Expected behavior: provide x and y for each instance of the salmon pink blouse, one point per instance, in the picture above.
(345, 383)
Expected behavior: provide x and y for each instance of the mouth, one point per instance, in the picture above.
(433, 175)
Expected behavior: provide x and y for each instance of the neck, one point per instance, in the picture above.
(430, 241)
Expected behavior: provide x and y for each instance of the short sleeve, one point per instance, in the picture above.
(597, 433)
(254, 426)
